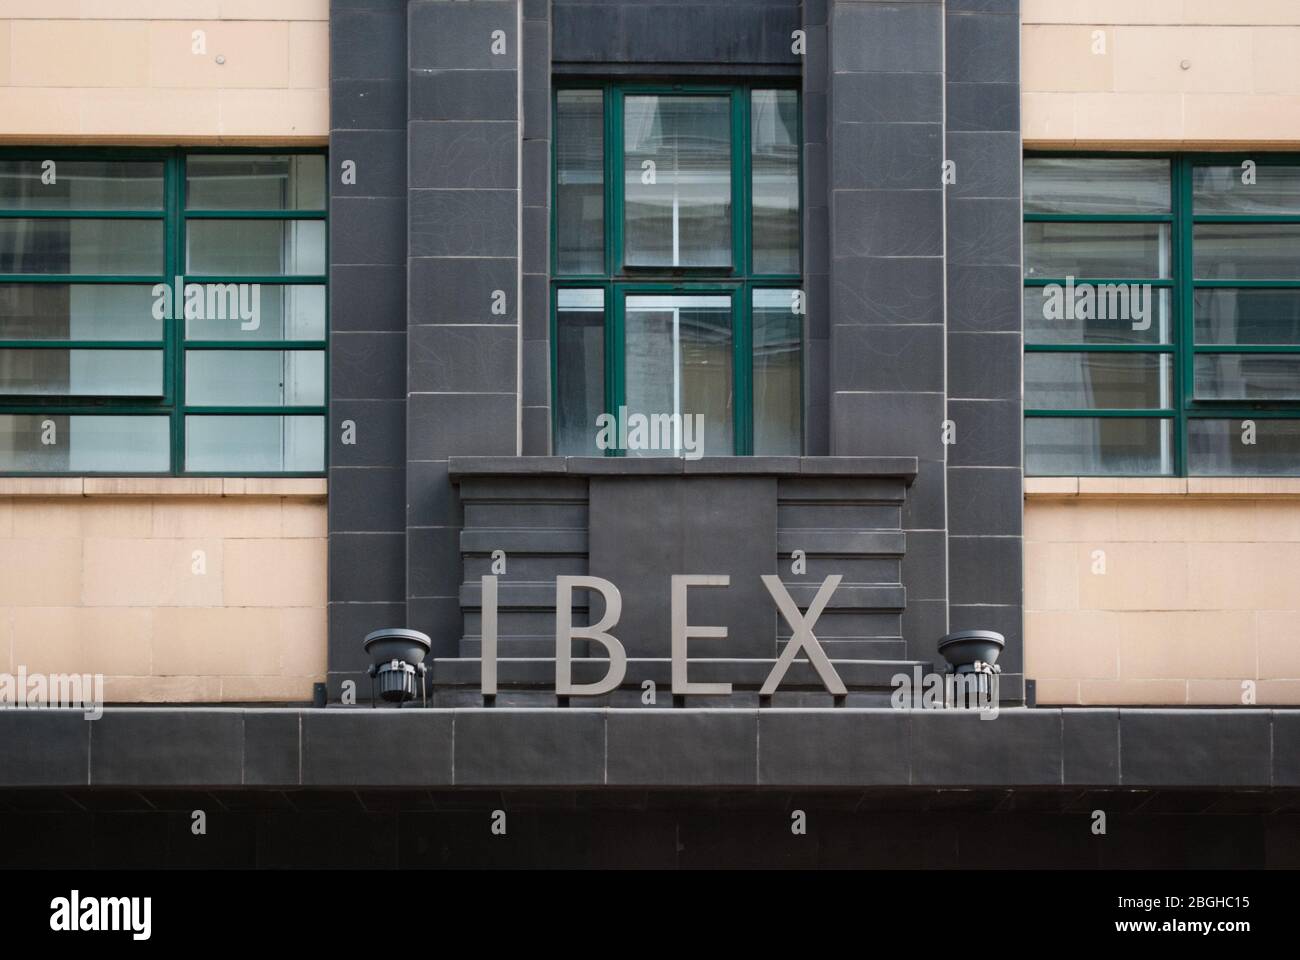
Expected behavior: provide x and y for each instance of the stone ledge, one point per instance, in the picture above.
(143, 747)
(311, 488)
(903, 468)
(1190, 488)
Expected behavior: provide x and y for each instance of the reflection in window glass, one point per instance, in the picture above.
(1215, 448)
(55, 184)
(677, 181)
(255, 378)
(1097, 250)
(778, 373)
(580, 181)
(1221, 189)
(1096, 185)
(774, 132)
(1136, 314)
(579, 370)
(1098, 381)
(255, 182)
(253, 247)
(679, 364)
(254, 444)
(84, 444)
(54, 245)
(260, 311)
(1247, 376)
(79, 311)
(1246, 251)
(53, 372)
(1252, 316)
(1100, 446)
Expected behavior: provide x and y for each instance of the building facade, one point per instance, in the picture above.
(685, 370)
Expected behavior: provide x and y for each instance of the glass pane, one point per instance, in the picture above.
(1097, 313)
(1098, 381)
(255, 378)
(79, 311)
(251, 247)
(1097, 250)
(580, 181)
(1247, 251)
(81, 373)
(113, 247)
(236, 182)
(258, 312)
(1248, 316)
(1274, 189)
(778, 374)
(1247, 376)
(253, 444)
(1096, 185)
(1238, 447)
(1110, 446)
(579, 370)
(774, 135)
(51, 184)
(57, 443)
(677, 181)
(678, 352)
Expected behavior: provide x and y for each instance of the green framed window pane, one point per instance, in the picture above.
(56, 372)
(52, 183)
(255, 247)
(81, 246)
(677, 181)
(255, 378)
(777, 343)
(255, 182)
(580, 181)
(679, 350)
(1109, 314)
(1246, 251)
(1250, 316)
(68, 443)
(774, 178)
(1098, 381)
(579, 370)
(1233, 189)
(1098, 446)
(1247, 376)
(259, 312)
(254, 444)
(79, 311)
(1055, 250)
(1096, 185)
(1240, 447)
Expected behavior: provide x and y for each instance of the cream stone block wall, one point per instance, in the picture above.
(187, 597)
(1136, 595)
(1161, 73)
(127, 71)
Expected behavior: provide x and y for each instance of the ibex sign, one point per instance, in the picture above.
(803, 639)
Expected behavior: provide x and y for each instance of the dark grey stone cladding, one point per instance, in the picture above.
(368, 329)
(913, 287)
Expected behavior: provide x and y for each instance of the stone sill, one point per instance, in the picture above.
(310, 488)
(903, 468)
(1192, 488)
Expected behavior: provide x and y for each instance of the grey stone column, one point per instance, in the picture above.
(816, 224)
(985, 499)
(463, 306)
(535, 425)
(367, 389)
(886, 334)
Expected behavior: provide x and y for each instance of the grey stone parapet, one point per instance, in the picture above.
(903, 468)
(356, 747)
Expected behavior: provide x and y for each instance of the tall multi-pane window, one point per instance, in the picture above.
(1162, 315)
(162, 312)
(677, 287)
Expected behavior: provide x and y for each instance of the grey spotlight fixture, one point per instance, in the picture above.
(972, 656)
(397, 658)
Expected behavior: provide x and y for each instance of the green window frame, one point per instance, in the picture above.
(1273, 424)
(618, 281)
(181, 352)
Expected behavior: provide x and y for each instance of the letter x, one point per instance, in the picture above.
(803, 638)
